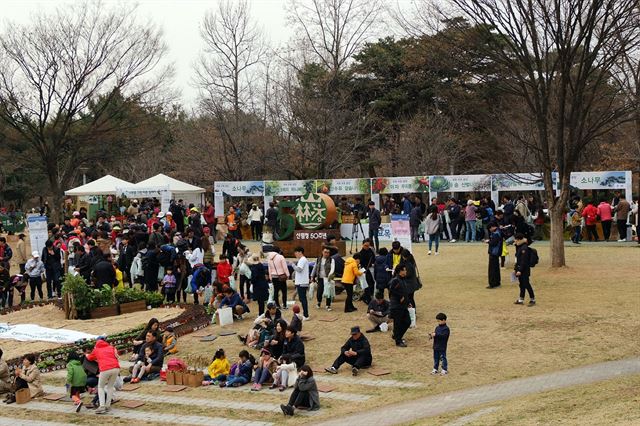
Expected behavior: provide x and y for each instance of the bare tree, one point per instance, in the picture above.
(560, 54)
(63, 78)
(228, 76)
(334, 30)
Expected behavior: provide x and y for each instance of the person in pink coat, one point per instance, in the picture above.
(109, 366)
(606, 217)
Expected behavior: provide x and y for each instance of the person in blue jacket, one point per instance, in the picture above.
(233, 300)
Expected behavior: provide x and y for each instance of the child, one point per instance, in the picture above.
(218, 370)
(440, 338)
(286, 374)
(169, 341)
(380, 273)
(169, 285)
(224, 270)
(139, 369)
(76, 379)
(262, 372)
(240, 373)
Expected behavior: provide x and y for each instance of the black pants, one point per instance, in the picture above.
(412, 300)
(245, 283)
(256, 230)
(373, 235)
(355, 361)
(348, 304)
(592, 231)
(368, 292)
(320, 291)
(213, 231)
(494, 271)
(457, 227)
(261, 306)
(525, 285)
(401, 323)
(4, 295)
(170, 293)
(280, 286)
(21, 383)
(53, 283)
(35, 283)
(299, 399)
(621, 224)
(606, 229)
(23, 295)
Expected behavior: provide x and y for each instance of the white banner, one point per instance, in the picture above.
(288, 188)
(37, 231)
(32, 332)
(240, 189)
(600, 180)
(460, 183)
(400, 230)
(150, 192)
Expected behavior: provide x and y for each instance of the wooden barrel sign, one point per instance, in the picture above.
(315, 211)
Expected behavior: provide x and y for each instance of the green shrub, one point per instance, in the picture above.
(153, 298)
(104, 296)
(83, 295)
(127, 295)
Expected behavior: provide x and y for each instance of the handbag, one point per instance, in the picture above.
(281, 277)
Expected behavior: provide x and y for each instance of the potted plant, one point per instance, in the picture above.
(153, 299)
(105, 305)
(78, 297)
(131, 300)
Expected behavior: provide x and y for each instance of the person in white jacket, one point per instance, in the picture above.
(254, 217)
(35, 270)
(285, 375)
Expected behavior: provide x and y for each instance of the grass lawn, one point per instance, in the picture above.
(586, 313)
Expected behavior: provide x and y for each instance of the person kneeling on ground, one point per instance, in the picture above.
(286, 374)
(378, 313)
(305, 394)
(76, 379)
(233, 300)
(356, 352)
(240, 373)
(218, 369)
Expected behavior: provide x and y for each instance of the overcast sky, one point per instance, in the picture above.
(180, 20)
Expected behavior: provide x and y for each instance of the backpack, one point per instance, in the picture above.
(533, 257)
(339, 265)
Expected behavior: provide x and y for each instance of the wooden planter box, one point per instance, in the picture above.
(127, 308)
(105, 311)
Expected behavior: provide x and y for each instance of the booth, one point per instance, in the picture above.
(190, 194)
(98, 194)
(350, 227)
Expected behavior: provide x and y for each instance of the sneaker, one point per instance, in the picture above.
(401, 344)
(318, 305)
(532, 303)
(135, 380)
(287, 410)
(437, 253)
(101, 410)
(519, 302)
(222, 384)
(329, 309)
(444, 372)
(354, 371)
(79, 407)
(281, 388)
(331, 370)
(434, 371)
(256, 387)
(622, 241)
(429, 253)
(305, 318)
(453, 241)
(273, 386)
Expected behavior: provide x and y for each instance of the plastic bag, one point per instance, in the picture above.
(232, 283)
(412, 315)
(189, 289)
(362, 279)
(271, 292)
(225, 316)
(384, 327)
(312, 290)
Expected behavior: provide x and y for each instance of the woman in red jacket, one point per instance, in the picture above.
(590, 214)
(109, 366)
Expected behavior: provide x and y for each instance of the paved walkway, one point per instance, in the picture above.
(445, 403)
(7, 421)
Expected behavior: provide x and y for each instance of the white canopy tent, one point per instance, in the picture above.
(178, 189)
(106, 185)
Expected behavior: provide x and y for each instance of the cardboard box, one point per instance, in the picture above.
(23, 396)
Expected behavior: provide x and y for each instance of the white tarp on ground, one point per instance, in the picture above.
(106, 185)
(33, 332)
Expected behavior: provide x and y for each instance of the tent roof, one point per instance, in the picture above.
(175, 186)
(104, 186)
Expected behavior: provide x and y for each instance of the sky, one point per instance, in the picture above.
(180, 20)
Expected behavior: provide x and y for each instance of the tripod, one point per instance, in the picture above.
(355, 231)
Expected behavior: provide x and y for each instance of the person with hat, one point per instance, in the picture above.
(35, 269)
(5, 253)
(21, 253)
(254, 217)
(495, 250)
(109, 367)
(195, 222)
(355, 352)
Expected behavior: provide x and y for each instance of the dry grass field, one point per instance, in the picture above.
(586, 313)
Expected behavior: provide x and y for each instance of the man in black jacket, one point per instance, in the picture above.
(378, 312)
(125, 259)
(523, 269)
(104, 273)
(293, 347)
(374, 223)
(83, 265)
(494, 250)
(399, 305)
(355, 352)
(52, 259)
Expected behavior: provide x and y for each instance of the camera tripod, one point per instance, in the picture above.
(355, 231)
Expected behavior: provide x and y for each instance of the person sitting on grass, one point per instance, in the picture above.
(143, 365)
(285, 375)
(139, 341)
(263, 326)
(157, 358)
(27, 377)
(355, 352)
(305, 394)
(275, 342)
(218, 370)
(76, 379)
(263, 370)
(169, 342)
(5, 377)
(296, 319)
(240, 373)
(233, 300)
(378, 313)
(293, 346)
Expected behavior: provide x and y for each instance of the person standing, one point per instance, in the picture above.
(606, 218)
(367, 260)
(271, 218)
(415, 217)
(406, 204)
(5, 253)
(523, 270)
(322, 274)
(433, 226)
(399, 305)
(259, 282)
(52, 259)
(351, 272)
(232, 223)
(107, 358)
(278, 275)
(375, 220)
(440, 338)
(177, 212)
(301, 279)
(21, 252)
(254, 217)
(209, 215)
(494, 250)
(590, 215)
(622, 212)
(470, 221)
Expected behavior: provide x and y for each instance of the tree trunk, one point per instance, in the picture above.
(556, 239)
